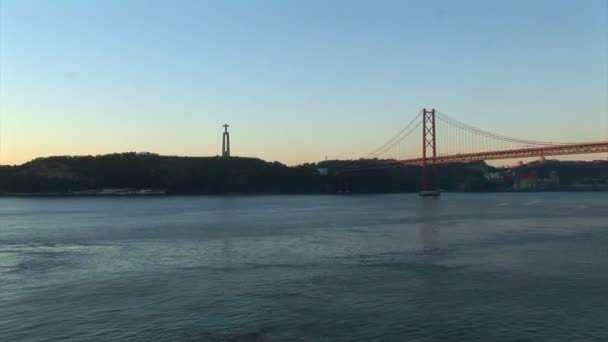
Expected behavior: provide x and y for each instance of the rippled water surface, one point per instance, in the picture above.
(488, 267)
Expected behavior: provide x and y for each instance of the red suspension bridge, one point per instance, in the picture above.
(444, 140)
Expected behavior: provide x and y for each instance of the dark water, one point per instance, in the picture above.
(486, 267)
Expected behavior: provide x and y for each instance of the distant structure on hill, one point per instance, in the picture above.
(226, 142)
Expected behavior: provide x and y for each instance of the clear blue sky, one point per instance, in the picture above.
(297, 80)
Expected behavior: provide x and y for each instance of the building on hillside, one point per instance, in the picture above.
(550, 182)
(526, 183)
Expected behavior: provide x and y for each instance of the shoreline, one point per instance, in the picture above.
(140, 195)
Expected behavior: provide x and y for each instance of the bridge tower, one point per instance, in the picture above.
(226, 142)
(430, 181)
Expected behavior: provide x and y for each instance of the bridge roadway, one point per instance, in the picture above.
(544, 151)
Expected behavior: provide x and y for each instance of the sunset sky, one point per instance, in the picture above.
(296, 80)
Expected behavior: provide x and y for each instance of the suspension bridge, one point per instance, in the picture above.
(443, 139)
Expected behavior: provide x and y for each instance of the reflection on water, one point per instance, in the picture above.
(428, 228)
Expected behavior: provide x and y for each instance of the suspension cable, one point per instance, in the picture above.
(382, 147)
(388, 148)
(475, 130)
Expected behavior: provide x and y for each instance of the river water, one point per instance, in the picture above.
(486, 267)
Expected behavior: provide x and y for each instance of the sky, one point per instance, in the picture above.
(298, 81)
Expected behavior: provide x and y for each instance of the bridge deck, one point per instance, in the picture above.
(553, 150)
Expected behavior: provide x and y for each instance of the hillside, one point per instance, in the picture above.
(199, 175)
(216, 175)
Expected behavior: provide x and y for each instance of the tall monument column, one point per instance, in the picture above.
(226, 142)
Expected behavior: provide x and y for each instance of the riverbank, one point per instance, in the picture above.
(131, 174)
